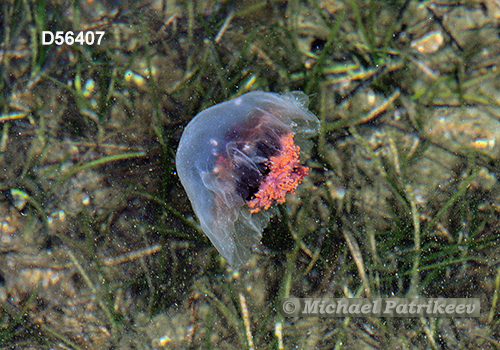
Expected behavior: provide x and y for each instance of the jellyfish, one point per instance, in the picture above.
(239, 158)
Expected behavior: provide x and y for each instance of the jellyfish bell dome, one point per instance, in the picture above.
(237, 159)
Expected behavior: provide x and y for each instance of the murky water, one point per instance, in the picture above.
(99, 245)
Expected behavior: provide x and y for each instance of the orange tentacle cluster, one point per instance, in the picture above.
(285, 174)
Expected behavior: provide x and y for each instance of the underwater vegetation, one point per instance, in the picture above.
(100, 247)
